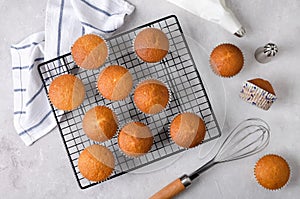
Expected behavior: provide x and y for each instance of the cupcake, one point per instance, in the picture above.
(96, 163)
(187, 130)
(258, 92)
(226, 60)
(100, 123)
(89, 51)
(135, 139)
(151, 96)
(272, 172)
(151, 45)
(66, 92)
(115, 82)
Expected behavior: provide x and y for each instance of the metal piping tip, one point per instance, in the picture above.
(265, 53)
(240, 33)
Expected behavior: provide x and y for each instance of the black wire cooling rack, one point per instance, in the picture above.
(177, 70)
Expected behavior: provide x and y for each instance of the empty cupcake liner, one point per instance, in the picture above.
(169, 129)
(104, 68)
(121, 151)
(108, 52)
(257, 96)
(116, 118)
(274, 190)
(169, 92)
(215, 72)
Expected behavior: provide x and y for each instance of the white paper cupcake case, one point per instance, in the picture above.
(257, 96)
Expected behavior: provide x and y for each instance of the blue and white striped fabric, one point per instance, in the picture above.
(66, 20)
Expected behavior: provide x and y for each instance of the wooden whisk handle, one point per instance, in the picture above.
(173, 189)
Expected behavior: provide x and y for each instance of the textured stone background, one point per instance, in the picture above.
(43, 170)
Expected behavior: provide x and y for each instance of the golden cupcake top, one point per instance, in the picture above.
(151, 45)
(96, 163)
(272, 171)
(226, 60)
(115, 82)
(151, 96)
(187, 130)
(89, 51)
(66, 92)
(135, 139)
(100, 123)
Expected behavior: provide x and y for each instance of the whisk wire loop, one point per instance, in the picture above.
(247, 138)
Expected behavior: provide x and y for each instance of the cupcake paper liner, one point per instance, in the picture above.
(215, 72)
(257, 96)
(265, 188)
(163, 82)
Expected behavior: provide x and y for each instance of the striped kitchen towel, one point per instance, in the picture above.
(66, 20)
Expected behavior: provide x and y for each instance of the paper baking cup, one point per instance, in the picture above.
(169, 129)
(103, 69)
(274, 190)
(169, 92)
(215, 72)
(108, 52)
(139, 155)
(257, 96)
(116, 120)
(133, 48)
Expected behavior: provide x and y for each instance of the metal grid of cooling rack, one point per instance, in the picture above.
(177, 70)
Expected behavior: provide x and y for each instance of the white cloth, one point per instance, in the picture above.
(66, 20)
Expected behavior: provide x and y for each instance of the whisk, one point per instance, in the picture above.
(247, 138)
